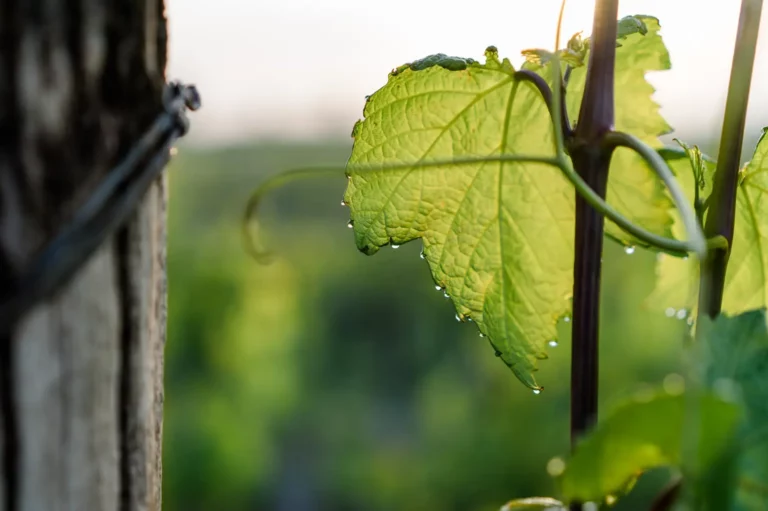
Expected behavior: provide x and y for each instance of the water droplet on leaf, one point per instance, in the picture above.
(690, 321)
(350, 224)
(567, 319)
(681, 314)
(438, 288)
(395, 247)
(669, 312)
(421, 255)
(343, 203)
(537, 391)
(552, 343)
(445, 294)
(629, 250)
(482, 334)
(458, 318)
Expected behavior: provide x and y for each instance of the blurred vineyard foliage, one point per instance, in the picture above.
(334, 381)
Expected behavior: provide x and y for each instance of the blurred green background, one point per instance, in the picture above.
(330, 380)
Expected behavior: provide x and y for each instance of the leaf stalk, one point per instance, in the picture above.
(722, 204)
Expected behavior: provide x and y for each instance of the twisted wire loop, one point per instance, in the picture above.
(107, 209)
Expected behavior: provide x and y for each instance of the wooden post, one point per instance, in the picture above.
(81, 377)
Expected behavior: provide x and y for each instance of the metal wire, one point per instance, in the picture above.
(105, 211)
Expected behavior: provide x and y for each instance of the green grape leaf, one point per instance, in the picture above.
(642, 434)
(746, 279)
(633, 189)
(498, 237)
(737, 356)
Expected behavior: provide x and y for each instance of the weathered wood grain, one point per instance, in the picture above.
(81, 377)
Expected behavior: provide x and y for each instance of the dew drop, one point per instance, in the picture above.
(690, 321)
(685, 258)
(395, 247)
(567, 319)
(343, 203)
(670, 312)
(458, 318)
(610, 500)
(482, 334)
(445, 294)
(681, 314)
(421, 255)
(537, 391)
(438, 288)
(629, 250)
(350, 224)
(552, 343)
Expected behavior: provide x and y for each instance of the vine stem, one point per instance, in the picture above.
(591, 160)
(722, 207)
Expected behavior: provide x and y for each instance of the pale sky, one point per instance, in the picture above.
(301, 68)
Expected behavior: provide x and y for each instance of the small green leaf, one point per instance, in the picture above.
(573, 54)
(498, 237)
(641, 435)
(737, 356)
(746, 279)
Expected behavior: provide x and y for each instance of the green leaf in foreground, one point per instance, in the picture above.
(746, 279)
(641, 435)
(498, 237)
(738, 356)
